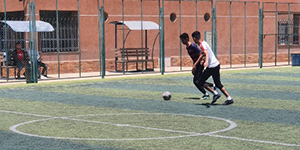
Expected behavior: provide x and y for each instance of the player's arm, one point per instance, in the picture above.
(199, 59)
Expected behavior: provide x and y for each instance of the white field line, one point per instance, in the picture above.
(27, 114)
(191, 134)
(252, 140)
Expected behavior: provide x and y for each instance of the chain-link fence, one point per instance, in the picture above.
(108, 37)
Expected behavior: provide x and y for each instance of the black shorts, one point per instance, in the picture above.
(215, 73)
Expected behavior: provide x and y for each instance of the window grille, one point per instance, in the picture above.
(12, 37)
(288, 31)
(68, 32)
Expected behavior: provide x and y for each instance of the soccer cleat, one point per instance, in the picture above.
(205, 97)
(228, 102)
(215, 98)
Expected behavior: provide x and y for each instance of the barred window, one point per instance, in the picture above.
(67, 29)
(12, 37)
(288, 31)
(283, 32)
(296, 29)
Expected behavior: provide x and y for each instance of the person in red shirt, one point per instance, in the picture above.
(20, 58)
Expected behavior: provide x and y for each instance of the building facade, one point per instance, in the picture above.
(237, 29)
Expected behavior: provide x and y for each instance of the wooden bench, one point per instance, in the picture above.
(4, 66)
(133, 55)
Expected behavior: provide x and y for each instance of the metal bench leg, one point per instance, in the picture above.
(15, 72)
(146, 63)
(116, 65)
(153, 65)
(1, 72)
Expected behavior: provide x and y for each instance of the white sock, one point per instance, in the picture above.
(216, 93)
(229, 98)
(206, 94)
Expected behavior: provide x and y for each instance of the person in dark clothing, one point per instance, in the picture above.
(40, 64)
(198, 58)
(212, 66)
(20, 59)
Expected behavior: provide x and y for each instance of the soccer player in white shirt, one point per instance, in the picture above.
(212, 68)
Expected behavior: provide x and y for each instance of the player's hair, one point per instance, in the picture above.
(196, 35)
(184, 36)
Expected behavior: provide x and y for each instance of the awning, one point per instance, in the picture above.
(23, 26)
(136, 25)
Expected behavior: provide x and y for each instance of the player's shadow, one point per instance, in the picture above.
(208, 105)
(193, 98)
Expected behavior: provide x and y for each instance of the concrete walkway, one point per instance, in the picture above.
(111, 74)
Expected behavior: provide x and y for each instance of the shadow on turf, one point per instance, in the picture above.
(193, 98)
(207, 105)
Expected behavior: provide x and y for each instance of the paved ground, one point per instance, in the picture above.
(111, 74)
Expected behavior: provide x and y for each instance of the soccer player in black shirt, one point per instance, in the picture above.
(198, 58)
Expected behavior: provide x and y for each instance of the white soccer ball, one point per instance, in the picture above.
(166, 95)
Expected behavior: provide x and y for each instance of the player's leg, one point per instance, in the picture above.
(44, 71)
(204, 76)
(217, 81)
(196, 79)
(210, 87)
(207, 85)
(20, 67)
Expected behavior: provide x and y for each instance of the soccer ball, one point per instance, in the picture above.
(166, 95)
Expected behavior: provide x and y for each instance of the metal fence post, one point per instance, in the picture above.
(123, 39)
(230, 30)
(5, 41)
(103, 41)
(162, 42)
(34, 48)
(276, 33)
(180, 45)
(99, 33)
(289, 24)
(196, 15)
(79, 42)
(260, 38)
(142, 38)
(214, 25)
(57, 41)
(245, 33)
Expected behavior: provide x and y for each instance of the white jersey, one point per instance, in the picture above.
(212, 60)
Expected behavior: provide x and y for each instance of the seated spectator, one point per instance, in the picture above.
(40, 64)
(20, 59)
